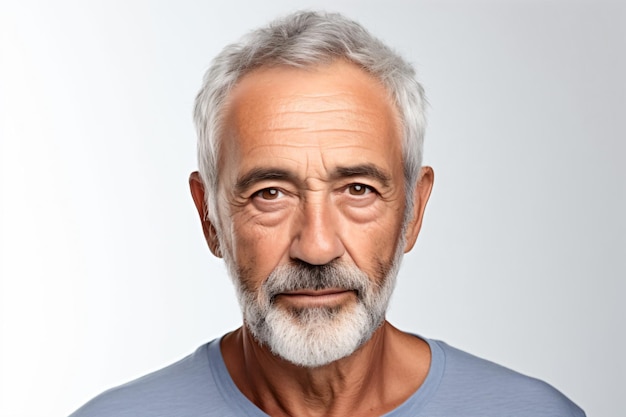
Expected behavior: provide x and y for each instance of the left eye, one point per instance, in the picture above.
(359, 189)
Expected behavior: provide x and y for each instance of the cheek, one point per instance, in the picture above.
(257, 251)
(373, 246)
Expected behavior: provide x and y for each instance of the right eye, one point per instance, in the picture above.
(269, 194)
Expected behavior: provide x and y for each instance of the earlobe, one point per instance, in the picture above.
(198, 193)
(420, 198)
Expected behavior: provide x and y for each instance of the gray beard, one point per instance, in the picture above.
(316, 336)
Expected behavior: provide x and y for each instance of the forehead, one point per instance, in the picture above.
(335, 108)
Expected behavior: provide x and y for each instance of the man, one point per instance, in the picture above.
(311, 188)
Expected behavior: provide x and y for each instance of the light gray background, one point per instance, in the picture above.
(104, 272)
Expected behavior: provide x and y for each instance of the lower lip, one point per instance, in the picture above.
(314, 300)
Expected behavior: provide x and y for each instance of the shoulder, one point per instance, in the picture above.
(166, 392)
(475, 382)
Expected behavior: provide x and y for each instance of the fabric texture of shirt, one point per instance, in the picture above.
(457, 384)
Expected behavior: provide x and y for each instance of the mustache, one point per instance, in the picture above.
(303, 276)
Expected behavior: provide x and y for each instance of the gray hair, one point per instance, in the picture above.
(305, 39)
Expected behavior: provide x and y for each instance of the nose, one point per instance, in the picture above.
(316, 240)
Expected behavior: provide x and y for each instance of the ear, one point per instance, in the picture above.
(420, 198)
(198, 193)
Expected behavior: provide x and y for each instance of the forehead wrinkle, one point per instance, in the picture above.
(290, 107)
(313, 145)
(311, 115)
(296, 104)
(346, 112)
(353, 123)
(304, 129)
(333, 97)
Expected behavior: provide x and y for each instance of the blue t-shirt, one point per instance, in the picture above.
(457, 384)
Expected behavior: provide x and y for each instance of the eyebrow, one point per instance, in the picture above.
(262, 174)
(256, 175)
(362, 170)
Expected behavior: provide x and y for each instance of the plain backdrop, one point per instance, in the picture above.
(104, 272)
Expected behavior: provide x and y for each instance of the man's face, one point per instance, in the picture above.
(311, 174)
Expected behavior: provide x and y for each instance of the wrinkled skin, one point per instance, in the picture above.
(311, 169)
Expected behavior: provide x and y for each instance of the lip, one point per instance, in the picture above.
(317, 293)
(316, 298)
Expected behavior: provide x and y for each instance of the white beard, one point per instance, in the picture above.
(316, 336)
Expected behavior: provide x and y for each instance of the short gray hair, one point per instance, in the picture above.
(304, 39)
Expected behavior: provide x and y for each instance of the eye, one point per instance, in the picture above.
(269, 194)
(359, 189)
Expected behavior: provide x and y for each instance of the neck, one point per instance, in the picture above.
(375, 379)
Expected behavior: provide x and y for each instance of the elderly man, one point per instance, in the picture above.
(311, 188)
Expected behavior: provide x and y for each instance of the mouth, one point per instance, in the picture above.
(316, 298)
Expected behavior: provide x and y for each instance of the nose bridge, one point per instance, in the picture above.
(316, 240)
